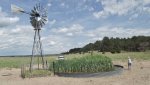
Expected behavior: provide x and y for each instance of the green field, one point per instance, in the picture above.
(134, 56)
(118, 56)
(17, 62)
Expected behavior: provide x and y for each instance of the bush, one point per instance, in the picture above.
(113, 52)
(118, 51)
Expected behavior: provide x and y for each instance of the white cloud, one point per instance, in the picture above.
(121, 7)
(0, 9)
(101, 14)
(52, 43)
(56, 44)
(97, 0)
(16, 30)
(62, 30)
(56, 40)
(69, 34)
(62, 4)
(121, 32)
(19, 36)
(69, 31)
(146, 9)
(1, 32)
(6, 20)
(146, 1)
(49, 4)
(76, 28)
(52, 22)
(61, 39)
(14, 19)
(117, 32)
(90, 34)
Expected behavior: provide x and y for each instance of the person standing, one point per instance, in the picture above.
(129, 63)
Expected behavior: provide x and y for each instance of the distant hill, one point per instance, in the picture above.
(116, 45)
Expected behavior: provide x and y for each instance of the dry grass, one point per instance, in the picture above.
(139, 75)
(17, 62)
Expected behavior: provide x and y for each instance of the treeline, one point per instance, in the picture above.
(116, 45)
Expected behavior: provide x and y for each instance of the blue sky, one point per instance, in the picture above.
(72, 23)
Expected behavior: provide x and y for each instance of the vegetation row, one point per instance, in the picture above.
(95, 63)
(116, 45)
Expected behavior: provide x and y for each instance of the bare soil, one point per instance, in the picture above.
(138, 75)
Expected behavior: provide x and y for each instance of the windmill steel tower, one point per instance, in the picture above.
(38, 18)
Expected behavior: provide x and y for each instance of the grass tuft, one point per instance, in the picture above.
(35, 73)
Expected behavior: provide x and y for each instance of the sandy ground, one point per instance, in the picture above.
(139, 75)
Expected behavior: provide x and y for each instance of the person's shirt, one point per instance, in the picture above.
(129, 60)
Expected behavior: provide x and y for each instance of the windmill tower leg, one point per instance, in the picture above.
(41, 51)
(37, 50)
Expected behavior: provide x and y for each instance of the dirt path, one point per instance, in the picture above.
(139, 75)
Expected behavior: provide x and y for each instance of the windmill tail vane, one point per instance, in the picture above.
(17, 9)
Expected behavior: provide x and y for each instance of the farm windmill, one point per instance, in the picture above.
(38, 18)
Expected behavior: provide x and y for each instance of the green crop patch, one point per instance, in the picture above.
(89, 64)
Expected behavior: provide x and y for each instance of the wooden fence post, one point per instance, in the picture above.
(54, 67)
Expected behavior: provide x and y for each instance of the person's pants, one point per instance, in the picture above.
(129, 66)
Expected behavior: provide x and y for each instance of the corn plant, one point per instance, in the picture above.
(89, 64)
